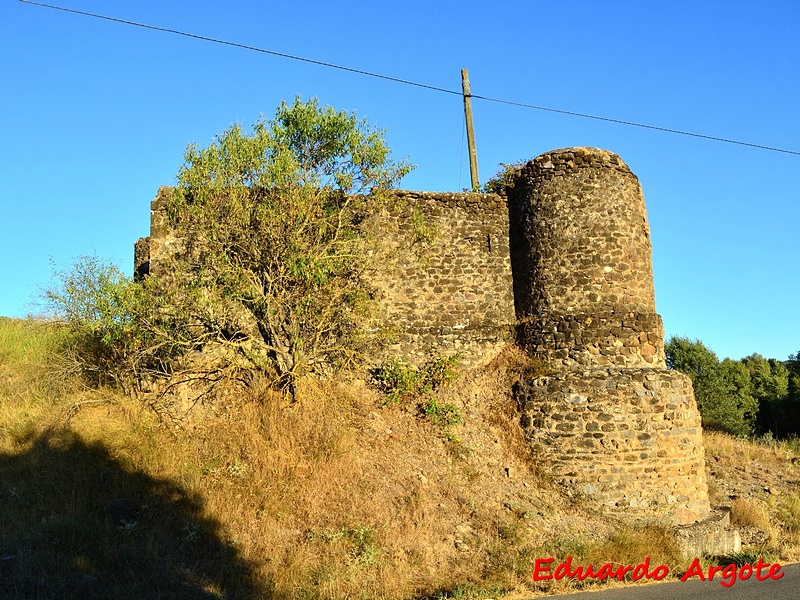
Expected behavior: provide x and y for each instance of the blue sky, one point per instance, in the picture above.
(95, 116)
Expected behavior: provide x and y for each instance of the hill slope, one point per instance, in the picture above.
(340, 494)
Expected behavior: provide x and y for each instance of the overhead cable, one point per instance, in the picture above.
(409, 82)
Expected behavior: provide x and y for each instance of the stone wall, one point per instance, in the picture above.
(455, 293)
(151, 250)
(450, 293)
(609, 421)
(628, 440)
(141, 258)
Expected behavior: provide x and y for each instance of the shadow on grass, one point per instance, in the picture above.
(77, 523)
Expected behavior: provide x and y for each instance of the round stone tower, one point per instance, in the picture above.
(608, 419)
(582, 264)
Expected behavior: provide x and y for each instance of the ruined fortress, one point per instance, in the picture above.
(561, 261)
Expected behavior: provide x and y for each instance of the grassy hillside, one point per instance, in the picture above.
(339, 494)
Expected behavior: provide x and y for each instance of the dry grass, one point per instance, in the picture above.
(628, 546)
(29, 387)
(623, 545)
(743, 451)
(752, 513)
(311, 499)
(334, 496)
(786, 519)
(746, 512)
(758, 478)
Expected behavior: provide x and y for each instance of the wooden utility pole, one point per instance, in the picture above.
(473, 155)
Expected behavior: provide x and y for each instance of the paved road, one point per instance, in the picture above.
(786, 588)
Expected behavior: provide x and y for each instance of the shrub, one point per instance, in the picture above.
(398, 378)
(274, 246)
(443, 415)
(503, 177)
(118, 330)
(274, 221)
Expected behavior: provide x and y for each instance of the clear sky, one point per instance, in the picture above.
(95, 116)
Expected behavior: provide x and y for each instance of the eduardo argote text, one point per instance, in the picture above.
(544, 570)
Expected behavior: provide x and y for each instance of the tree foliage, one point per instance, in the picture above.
(272, 243)
(792, 402)
(504, 177)
(769, 380)
(118, 331)
(274, 225)
(722, 389)
(751, 395)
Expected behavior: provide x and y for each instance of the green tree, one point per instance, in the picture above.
(739, 410)
(770, 385)
(722, 389)
(770, 378)
(274, 226)
(792, 402)
(273, 241)
(793, 365)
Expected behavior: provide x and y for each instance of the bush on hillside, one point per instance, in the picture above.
(118, 330)
(275, 244)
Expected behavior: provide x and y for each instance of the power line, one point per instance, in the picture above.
(243, 46)
(408, 82)
(634, 124)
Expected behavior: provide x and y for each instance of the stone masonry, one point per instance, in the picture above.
(563, 257)
(455, 295)
(609, 420)
(583, 278)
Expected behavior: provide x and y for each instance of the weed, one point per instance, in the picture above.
(460, 451)
(238, 468)
(359, 542)
(508, 531)
(444, 416)
(441, 371)
(424, 233)
(768, 439)
(792, 444)
(398, 378)
(467, 591)
(561, 547)
(327, 536)
(508, 557)
(627, 545)
(363, 548)
(746, 512)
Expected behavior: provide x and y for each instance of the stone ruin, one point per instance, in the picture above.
(609, 419)
(562, 259)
